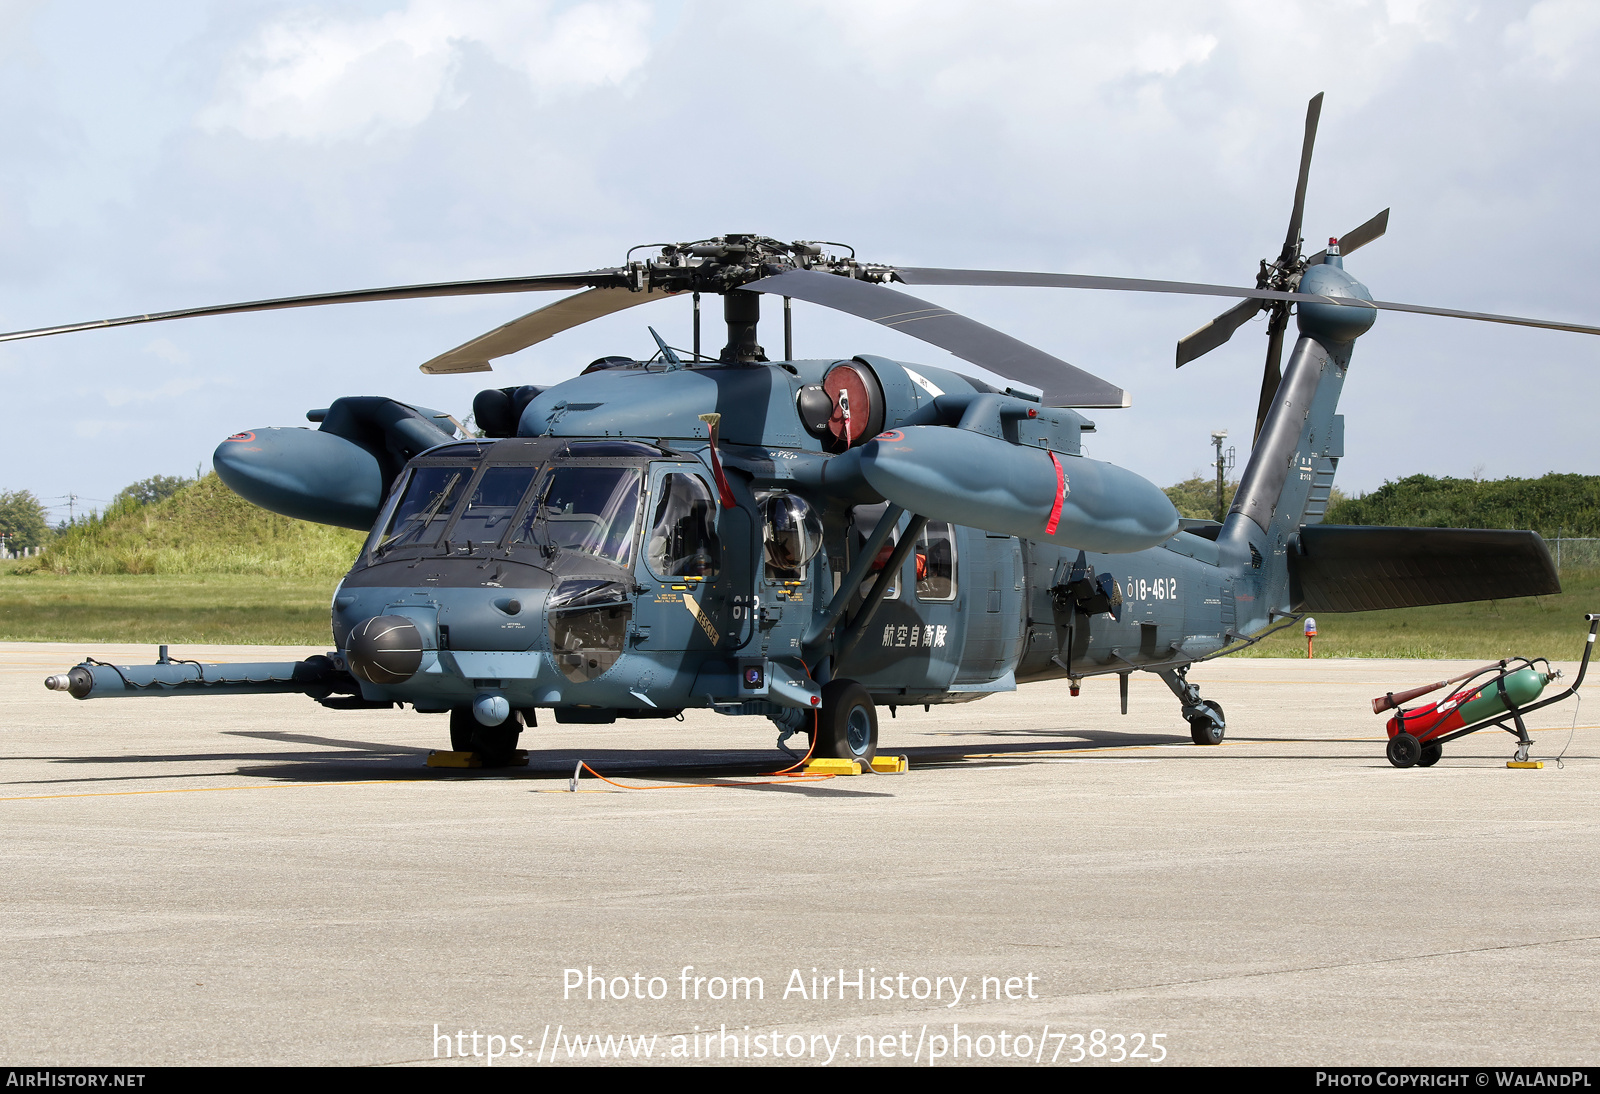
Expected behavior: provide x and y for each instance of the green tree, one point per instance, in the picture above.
(1555, 503)
(1197, 497)
(22, 518)
(149, 491)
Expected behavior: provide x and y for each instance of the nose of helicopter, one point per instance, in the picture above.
(385, 649)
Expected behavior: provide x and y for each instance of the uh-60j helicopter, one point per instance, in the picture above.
(809, 540)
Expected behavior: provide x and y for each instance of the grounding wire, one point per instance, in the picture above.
(1574, 729)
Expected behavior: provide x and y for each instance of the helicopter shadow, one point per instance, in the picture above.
(988, 752)
(542, 766)
(359, 758)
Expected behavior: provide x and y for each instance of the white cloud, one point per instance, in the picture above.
(315, 77)
(1166, 54)
(90, 428)
(1557, 37)
(164, 349)
(173, 389)
(998, 48)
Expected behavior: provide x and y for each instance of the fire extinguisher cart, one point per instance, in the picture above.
(1417, 736)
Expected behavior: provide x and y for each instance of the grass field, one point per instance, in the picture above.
(203, 529)
(1535, 626)
(213, 608)
(246, 609)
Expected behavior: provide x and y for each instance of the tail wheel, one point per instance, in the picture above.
(1405, 750)
(493, 744)
(1208, 728)
(847, 723)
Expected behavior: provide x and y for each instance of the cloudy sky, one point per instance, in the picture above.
(184, 152)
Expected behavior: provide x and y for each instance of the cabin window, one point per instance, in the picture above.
(493, 503)
(936, 562)
(865, 519)
(590, 510)
(683, 537)
(425, 507)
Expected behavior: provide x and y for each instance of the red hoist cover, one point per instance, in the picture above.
(852, 403)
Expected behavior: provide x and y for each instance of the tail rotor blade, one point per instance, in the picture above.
(1365, 234)
(1291, 242)
(1218, 331)
(1359, 237)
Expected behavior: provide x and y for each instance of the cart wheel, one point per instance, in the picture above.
(1430, 755)
(1404, 750)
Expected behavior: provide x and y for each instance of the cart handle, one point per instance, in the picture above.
(1593, 620)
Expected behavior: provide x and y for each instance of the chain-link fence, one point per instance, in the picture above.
(1571, 554)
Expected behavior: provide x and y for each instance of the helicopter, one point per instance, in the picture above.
(811, 540)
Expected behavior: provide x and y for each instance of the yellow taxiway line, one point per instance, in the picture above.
(208, 789)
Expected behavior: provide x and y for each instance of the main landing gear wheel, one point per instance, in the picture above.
(1405, 750)
(847, 723)
(493, 744)
(1430, 755)
(1208, 729)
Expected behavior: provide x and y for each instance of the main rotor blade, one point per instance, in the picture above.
(1218, 331)
(535, 327)
(1360, 237)
(1272, 373)
(1061, 383)
(1291, 242)
(542, 283)
(928, 276)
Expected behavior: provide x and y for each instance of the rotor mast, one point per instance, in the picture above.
(742, 310)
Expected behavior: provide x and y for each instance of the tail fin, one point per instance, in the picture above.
(1290, 473)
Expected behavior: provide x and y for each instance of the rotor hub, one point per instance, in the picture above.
(725, 263)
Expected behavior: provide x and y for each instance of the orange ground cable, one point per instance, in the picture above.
(816, 729)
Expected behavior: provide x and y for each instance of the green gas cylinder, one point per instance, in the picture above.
(1523, 686)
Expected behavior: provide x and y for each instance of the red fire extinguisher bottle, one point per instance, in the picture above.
(1436, 719)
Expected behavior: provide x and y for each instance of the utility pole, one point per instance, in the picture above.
(1224, 465)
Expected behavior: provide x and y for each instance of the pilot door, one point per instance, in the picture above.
(684, 566)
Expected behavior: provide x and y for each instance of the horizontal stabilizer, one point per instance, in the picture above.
(1356, 569)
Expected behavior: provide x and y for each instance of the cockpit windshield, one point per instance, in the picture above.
(586, 509)
(424, 507)
(493, 503)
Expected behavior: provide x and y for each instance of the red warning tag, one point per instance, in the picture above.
(1061, 497)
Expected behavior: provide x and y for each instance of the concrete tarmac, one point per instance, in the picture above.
(257, 880)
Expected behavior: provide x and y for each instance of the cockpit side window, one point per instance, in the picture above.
(493, 503)
(424, 508)
(587, 509)
(683, 537)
